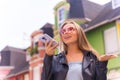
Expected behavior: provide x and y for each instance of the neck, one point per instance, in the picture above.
(73, 48)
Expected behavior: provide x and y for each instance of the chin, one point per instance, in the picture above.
(67, 42)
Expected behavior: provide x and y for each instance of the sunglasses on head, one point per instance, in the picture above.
(69, 29)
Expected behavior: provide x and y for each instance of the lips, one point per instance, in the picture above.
(67, 37)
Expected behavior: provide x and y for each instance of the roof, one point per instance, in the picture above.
(48, 29)
(76, 9)
(91, 9)
(10, 48)
(105, 16)
(14, 57)
(10, 54)
(19, 69)
(84, 9)
(5, 58)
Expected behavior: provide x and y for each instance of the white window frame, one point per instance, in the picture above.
(111, 41)
(26, 77)
(36, 73)
(115, 3)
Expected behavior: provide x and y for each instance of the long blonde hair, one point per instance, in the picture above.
(83, 43)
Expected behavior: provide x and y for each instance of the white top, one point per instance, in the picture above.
(75, 71)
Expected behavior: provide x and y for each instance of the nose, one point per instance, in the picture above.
(66, 31)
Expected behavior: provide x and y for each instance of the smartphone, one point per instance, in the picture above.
(46, 37)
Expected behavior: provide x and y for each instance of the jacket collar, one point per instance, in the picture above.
(62, 57)
(87, 59)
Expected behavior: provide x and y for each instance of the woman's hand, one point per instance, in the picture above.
(107, 57)
(49, 48)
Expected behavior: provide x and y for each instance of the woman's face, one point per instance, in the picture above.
(69, 33)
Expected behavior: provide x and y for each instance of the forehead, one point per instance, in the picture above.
(68, 25)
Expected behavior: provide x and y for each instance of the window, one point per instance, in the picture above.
(115, 3)
(61, 15)
(26, 77)
(36, 73)
(111, 40)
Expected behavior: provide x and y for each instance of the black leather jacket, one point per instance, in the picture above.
(56, 67)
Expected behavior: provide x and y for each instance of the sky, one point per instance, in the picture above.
(19, 18)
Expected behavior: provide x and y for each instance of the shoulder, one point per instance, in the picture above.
(89, 54)
(59, 55)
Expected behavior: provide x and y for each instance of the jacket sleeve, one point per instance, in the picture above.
(47, 68)
(101, 70)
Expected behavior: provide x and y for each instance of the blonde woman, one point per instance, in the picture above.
(77, 61)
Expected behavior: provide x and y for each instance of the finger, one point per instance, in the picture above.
(114, 55)
(54, 46)
(46, 43)
(107, 57)
(110, 56)
(50, 43)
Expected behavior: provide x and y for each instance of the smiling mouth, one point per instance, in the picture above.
(67, 37)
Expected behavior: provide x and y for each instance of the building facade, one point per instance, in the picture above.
(102, 27)
(37, 51)
(13, 60)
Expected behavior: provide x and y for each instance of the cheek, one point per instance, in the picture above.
(75, 34)
(75, 37)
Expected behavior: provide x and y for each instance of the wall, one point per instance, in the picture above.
(96, 39)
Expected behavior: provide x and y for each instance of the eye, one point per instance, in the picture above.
(70, 28)
(62, 31)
